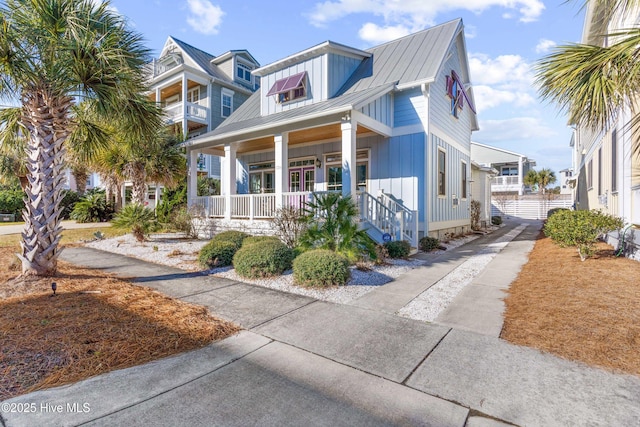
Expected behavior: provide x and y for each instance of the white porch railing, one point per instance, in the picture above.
(505, 183)
(389, 216)
(195, 112)
(383, 213)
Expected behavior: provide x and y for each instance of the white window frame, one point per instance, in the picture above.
(190, 94)
(444, 178)
(245, 68)
(226, 93)
(360, 159)
(464, 191)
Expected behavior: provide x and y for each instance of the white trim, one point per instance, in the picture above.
(444, 150)
(464, 180)
(441, 225)
(224, 92)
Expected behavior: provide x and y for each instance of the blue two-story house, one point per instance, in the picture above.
(390, 126)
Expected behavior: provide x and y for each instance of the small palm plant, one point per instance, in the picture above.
(332, 225)
(136, 218)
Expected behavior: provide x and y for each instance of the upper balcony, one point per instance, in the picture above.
(194, 112)
(506, 183)
(164, 64)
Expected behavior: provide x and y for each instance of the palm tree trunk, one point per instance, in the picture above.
(138, 183)
(80, 174)
(46, 118)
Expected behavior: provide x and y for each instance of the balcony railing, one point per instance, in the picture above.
(505, 183)
(195, 112)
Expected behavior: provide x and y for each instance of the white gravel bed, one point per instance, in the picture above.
(361, 282)
(429, 304)
(166, 249)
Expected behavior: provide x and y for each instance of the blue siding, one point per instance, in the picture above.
(380, 110)
(340, 69)
(395, 165)
(442, 208)
(459, 128)
(316, 85)
(406, 107)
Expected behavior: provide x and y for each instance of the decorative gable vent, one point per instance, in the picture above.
(290, 88)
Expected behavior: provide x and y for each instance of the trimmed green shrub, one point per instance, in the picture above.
(581, 229)
(255, 239)
(429, 243)
(235, 237)
(398, 248)
(321, 268)
(553, 211)
(217, 254)
(172, 200)
(263, 258)
(136, 218)
(496, 220)
(12, 202)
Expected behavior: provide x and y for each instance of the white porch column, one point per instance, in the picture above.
(349, 173)
(192, 183)
(281, 142)
(229, 184)
(158, 195)
(520, 177)
(185, 124)
(123, 194)
(158, 95)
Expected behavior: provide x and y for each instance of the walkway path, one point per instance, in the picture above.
(66, 225)
(303, 361)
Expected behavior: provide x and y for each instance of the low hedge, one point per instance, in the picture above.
(264, 258)
(496, 220)
(398, 249)
(321, 268)
(217, 254)
(235, 237)
(256, 239)
(428, 244)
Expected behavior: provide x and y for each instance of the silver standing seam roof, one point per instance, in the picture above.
(413, 59)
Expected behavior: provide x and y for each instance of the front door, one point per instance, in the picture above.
(302, 179)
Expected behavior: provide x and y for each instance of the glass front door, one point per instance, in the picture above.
(302, 179)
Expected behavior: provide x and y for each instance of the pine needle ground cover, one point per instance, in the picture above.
(585, 311)
(96, 323)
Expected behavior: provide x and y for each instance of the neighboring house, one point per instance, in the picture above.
(608, 171)
(566, 181)
(198, 91)
(390, 126)
(481, 178)
(511, 167)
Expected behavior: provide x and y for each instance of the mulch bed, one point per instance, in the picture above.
(585, 311)
(96, 323)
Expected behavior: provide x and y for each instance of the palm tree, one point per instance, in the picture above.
(54, 53)
(591, 82)
(531, 178)
(546, 177)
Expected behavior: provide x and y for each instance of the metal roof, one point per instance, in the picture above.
(413, 59)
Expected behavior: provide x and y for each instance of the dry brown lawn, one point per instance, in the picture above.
(586, 311)
(96, 323)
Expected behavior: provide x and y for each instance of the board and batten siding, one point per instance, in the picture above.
(316, 85)
(380, 109)
(457, 129)
(340, 69)
(406, 107)
(442, 208)
(395, 166)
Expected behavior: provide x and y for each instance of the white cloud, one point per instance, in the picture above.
(372, 33)
(545, 45)
(205, 17)
(417, 14)
(487, 97)
(514, 129)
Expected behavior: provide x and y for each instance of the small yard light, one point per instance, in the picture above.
(53, 288)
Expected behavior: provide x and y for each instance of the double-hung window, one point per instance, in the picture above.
(227, 102)
(442, 172)
(243, 72)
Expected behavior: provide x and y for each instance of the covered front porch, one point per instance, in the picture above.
(265, 173)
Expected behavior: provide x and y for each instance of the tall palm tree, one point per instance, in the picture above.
(546, 177)
(592, 82)
(54, 53)
(531, 178)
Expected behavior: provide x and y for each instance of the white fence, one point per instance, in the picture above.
(527, 209)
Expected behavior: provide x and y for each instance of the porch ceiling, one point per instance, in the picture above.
(318, 134)
(172, 90)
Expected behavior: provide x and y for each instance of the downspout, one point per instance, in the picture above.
(425, 88)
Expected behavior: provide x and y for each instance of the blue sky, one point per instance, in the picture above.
(504, 38)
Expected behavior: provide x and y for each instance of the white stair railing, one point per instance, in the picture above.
(389, 216)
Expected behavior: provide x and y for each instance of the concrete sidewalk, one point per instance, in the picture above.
(66, 225)
(302, 361)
